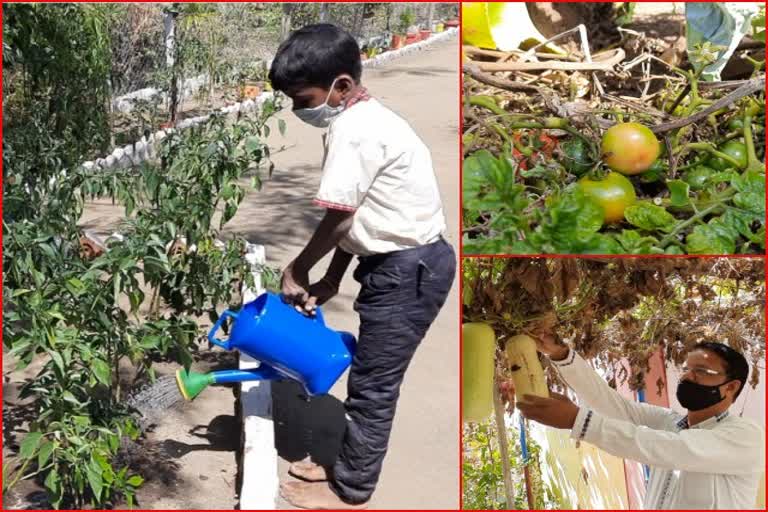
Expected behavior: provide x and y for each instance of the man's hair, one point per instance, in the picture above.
(314, 56)
(736, 366)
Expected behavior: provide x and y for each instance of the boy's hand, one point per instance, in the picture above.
(295, 286)
(320, 293)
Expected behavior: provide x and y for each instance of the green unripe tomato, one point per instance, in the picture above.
(733, 148)
(613, 193)
(697, 177)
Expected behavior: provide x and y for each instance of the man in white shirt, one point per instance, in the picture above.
(383, 205)
(708, 459)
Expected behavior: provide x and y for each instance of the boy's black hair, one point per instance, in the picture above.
(736, 366)
(314, 56)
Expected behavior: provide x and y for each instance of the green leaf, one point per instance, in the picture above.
(227, 192)
(281, 126)
(252, 145)
(53, 313)
(69, 397)
(758, 27)
(751, 192)
(634, 243)
(20, 292)
(136, 297)
(29, 445)
(570, 225)
(135, 480)
(75, 286)
(678, 190)
(94, 479)
(715, 237)
(52, 482)
(58, 361)
(650, 217)
(46, 449)
(102, 371)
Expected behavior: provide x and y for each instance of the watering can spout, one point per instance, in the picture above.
(192, 384)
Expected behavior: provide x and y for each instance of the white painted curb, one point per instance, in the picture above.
(259, 482)
(145, 149)
(411, 48)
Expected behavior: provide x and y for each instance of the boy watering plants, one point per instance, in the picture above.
(382, 205)
(707, 459)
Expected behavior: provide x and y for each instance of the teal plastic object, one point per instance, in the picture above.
(288, 344)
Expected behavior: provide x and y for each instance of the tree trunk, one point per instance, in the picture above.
(285, 21)
(357, 27)
(501, 432)
(430, 15)
(171, 61)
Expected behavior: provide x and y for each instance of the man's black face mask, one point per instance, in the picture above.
(695, 397)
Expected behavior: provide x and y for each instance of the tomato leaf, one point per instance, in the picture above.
(649, 217)
(634, 243)
(678, 192)
(751, 192)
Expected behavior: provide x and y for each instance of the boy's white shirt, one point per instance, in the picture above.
(376, 166)
(715, 464)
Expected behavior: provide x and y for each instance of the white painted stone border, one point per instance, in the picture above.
(126, 102)
(146, 148)
(259, 462)
(411, 48)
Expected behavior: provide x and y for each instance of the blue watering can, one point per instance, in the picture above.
(289, 345)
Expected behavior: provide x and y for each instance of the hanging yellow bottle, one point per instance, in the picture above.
(478, 352)
(525, 367)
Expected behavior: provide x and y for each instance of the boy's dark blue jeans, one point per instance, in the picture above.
(401, 293)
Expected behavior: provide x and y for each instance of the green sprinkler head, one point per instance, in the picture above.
(191, 383)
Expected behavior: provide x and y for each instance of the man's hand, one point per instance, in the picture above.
(543, 332)
(295, 286)
(557, 411)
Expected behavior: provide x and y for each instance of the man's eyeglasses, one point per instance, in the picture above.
(699, 371)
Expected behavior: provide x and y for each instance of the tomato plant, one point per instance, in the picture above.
(541, 144)
(700, 192)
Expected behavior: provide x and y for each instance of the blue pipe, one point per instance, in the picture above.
(523, 443)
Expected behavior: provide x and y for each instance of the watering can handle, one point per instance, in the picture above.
(318, 316)
(212, 333)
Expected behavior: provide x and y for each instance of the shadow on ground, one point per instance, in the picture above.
(304, 428)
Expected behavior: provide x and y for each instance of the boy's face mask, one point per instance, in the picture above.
(321, 115)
